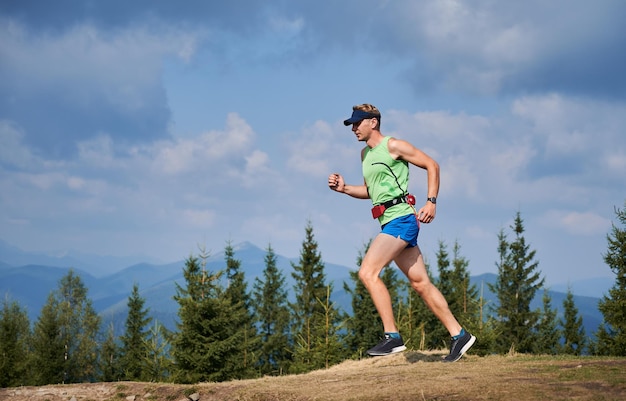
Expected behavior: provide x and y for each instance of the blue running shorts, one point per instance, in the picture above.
(406, 228)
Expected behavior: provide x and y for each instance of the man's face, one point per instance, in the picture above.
(363, 129)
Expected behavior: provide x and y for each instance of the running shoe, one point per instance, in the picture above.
(459, 347)
(387, 346)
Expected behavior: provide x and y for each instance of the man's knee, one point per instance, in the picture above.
(367, 276)
(422, 287)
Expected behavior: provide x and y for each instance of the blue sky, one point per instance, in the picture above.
(148, 128)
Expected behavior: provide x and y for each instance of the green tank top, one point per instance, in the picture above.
(386, 179)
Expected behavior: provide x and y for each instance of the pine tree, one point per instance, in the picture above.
(272, 314)
(548, 334)
(464, 298)
(157, 364)
(308, 312)
(242, 328)
(611, 335)
(133, 349)
(14, 344)
(203, 340)
(487, 327)
(109, 357)
(48, 350)
(573, 330)
(80, 325)
(516, 286)
(329, 349)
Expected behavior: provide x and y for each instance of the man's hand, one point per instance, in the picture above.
(427, 213)
(336, 183)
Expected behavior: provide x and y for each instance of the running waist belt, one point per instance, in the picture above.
(378, 210)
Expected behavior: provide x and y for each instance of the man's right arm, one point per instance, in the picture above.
(356, 191)
(336, 183)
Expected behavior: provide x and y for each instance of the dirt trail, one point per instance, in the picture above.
(407, 376)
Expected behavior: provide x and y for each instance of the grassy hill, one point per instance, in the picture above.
(407, 376)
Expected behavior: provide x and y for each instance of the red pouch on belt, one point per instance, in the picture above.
(378, 211)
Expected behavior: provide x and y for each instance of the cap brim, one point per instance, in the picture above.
(358, 115)
(351, 120)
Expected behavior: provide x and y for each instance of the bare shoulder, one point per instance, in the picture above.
(403, 150)
(400, 148)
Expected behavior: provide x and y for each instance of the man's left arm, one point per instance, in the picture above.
(400, 149)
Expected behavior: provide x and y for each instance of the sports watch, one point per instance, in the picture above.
(432, 199)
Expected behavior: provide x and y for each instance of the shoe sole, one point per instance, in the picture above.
(465, 348)
(393, 351)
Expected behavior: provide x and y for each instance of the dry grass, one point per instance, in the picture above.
(407, 376)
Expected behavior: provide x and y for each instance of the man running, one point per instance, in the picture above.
(385, 163)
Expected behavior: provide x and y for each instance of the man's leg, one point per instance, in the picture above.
(381, 252)
(411, 262)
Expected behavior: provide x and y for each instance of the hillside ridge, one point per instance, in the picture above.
(407, 376)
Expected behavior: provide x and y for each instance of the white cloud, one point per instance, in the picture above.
(83, 81)
(257, 161)
(582, 134)
(478, 232)
(486, 47)
(44, 181)
(237, 138)
(285, 25)
(316, 151)
(577, 223)
(458, 177)
(507, 163)
(512, 45)
(75, 183)
(616, 161)
(493, 42)
(175, 157)
(119, 63)
(456, 129)
(476, 160)
(215, 149)
(199, 218)
(512, 156)
(557, 119)
(97, 151)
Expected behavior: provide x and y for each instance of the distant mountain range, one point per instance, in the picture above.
(96, 265)
(28, 278)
